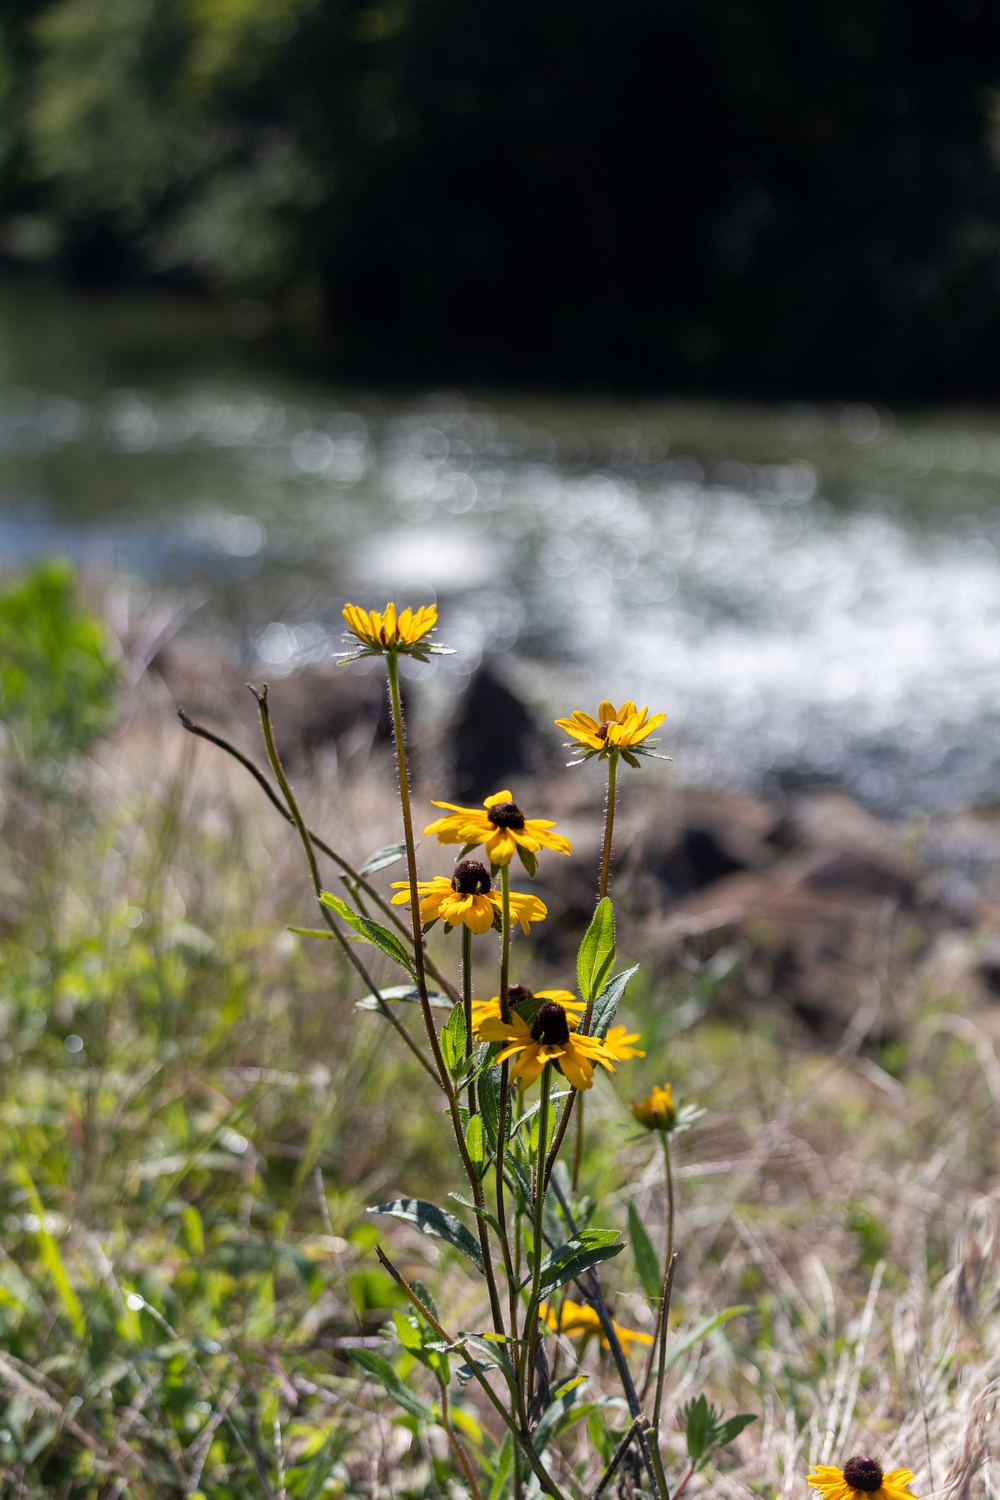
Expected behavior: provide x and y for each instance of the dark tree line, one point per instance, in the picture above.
(746, 195)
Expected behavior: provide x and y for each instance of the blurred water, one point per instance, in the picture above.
(803, 590)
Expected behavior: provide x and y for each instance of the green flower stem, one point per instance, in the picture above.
(392, 667)
(467, 1006)
(609, 823)
(521, 1439)
(295, 817)
(505, 943)
(574, 1100)
(668, 1276)
(456, 1445)
(537, 1240)
(503, 1107)
(590, 1288)
(657, 1352)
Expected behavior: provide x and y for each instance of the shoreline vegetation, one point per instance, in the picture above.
(196, 1116)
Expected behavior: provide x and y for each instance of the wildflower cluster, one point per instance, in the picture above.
(529, 1238)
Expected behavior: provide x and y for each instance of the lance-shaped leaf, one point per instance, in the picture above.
(403, 994)
(566, 1262)
(453, 1041)
(554, 1414)
(382, 858)
(430, 1219)
(606, 1004)
(373, 932)
(383, 1371)
(596, 957)
(646, 1261)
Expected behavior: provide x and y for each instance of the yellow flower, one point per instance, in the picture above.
(469, 899)
(388, 633)
(615, 729)
(519, 994)
(550, 1038)
(502, 827)
(657, 1110)
(619, 1043)
(579, 1321)
(861, 1479)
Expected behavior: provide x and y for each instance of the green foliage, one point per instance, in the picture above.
(578, 1254)
(341, 150)
(596, 957)
(706, 1430)
(57, 676)
(647, 1264)
(430, 1219)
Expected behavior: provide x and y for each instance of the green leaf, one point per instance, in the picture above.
(504, 1457)
(731, 1428)
(646, 1262)
(702, 1331)
(407, 1332)
(375, 1365)
(528, 860)
(481, 1213)
(313, 932)
(490, 1351)
(453, 1041)
(489, 1103)
(554, 1413)
(606, 1004)
(373, 932)
(520, 1175)
(698, 1425)
(403, 994)
(382, 858)
(596, 957)
(430, 1219)
(475, 1144)
(566, 1262)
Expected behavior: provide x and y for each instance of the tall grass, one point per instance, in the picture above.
(194, 1115)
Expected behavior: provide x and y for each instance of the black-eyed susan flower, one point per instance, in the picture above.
(502, 827)
(520, 995)
(861, 1479)
(619, 1042)
(623, 730)
(656, 1111)
(391, 633)
(578, 1321)
(551, 1038)
(468, 899)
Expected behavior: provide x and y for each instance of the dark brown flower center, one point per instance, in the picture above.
(551, 1027)
(471, 878)
(863, 1474)
(602, 732)
(517, 994)
(505, 815)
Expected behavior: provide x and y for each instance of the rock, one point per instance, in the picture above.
(831, 932)
(493, 737)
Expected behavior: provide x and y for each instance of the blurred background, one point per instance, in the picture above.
(658, 342)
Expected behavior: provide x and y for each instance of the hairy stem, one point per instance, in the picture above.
(392, 667)
(537, 1240)
(521, 1437)
(609, 823)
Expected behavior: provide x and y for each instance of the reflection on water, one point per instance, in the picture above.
(800, 589)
